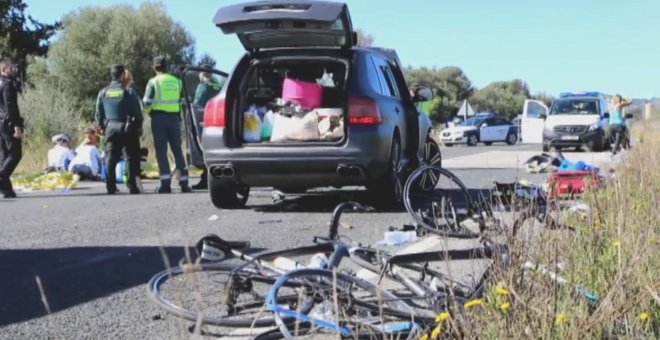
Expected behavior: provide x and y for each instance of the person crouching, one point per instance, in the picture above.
(88, 160)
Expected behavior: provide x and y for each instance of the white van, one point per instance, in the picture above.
(573, 120)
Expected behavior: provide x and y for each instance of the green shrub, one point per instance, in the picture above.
(46, 113)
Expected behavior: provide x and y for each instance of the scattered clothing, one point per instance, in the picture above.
(542, 163)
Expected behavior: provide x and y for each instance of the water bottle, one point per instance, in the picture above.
(287, 264)
(318, 261)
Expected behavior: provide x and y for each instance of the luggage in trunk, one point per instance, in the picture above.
(294, 101)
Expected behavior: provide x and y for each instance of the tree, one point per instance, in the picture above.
(450, 84)
(93, 38)
(505, 98)
(544, 97)
(22, 36)
(364, 38)
(207, 60)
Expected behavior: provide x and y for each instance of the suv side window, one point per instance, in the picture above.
(375, 77)
(388, 81)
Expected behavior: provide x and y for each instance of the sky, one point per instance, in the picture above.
(555, 46)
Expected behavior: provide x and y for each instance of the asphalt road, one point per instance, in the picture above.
(94, 254)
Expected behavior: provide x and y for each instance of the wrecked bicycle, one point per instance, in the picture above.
(237, 297)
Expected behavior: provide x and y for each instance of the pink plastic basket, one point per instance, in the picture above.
(306, 94)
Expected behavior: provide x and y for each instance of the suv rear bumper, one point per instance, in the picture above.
(365, 156)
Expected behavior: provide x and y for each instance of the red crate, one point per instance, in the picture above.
(570, 184)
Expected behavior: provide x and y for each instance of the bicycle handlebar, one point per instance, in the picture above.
(336, 215)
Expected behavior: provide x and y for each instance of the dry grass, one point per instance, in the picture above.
(614, 253)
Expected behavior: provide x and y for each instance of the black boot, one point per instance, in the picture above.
(203, 183)
(164, 187)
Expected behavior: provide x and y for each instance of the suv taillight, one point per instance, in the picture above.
(363, 111)
(214, 113)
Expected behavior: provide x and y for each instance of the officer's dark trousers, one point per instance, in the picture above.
(115, 141)
(166, 128)
(11, 152)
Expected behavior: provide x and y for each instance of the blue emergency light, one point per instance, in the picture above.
(581, 94)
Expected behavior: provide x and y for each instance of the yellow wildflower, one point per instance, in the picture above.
(436, 332)
(501, 290)
(643, 316)
(424, 337)
(505, 306)
(616, 243)
(473, 303)
(560, 318)
(442, 317)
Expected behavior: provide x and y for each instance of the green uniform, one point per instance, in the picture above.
(425, 107)
(115, 106)
(162, 100)
(206, 90)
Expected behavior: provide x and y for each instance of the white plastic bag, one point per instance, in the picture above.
(251, 127)
(306, 129)
(326, 80)
(331, 127)
(295, 129)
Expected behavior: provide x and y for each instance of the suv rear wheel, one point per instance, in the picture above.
(432, 154)
(387, 191)
(226, 195)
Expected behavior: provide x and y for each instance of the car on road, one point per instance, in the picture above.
(482, 128)
(306, 50)
(573, 120)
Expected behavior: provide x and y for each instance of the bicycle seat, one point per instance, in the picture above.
(213, 248)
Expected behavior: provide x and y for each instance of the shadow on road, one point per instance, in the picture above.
(72, 276)
(319, 202)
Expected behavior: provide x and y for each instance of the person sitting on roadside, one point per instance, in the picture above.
(88, 160)
(616, 125)
(60, 155)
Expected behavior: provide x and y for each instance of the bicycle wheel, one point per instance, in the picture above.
(439, 202)
(338, 303)
(214, 294)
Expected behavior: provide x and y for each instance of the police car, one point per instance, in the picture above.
(484, 128)
(573, 120)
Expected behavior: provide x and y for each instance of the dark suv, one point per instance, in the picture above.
(378, 135)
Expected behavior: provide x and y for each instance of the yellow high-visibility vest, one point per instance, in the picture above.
(167, 94)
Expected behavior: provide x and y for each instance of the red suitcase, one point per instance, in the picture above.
(571, 184)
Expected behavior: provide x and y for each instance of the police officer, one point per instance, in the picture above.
(208, 87)
(162, 101)
(119, 115)
(11, 127)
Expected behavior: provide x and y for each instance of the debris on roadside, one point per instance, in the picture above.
(47, 182)
(543, 163)
(397, 238)
(345, 225)
(214, 218)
